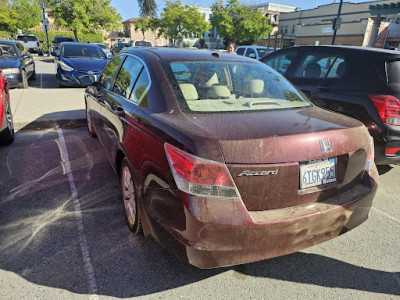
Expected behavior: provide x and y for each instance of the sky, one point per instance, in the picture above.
(129, 8)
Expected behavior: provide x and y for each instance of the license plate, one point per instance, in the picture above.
(317, 172)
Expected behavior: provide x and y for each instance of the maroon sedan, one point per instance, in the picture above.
(223, 161)
(6, 119)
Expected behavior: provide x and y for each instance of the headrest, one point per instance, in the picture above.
(189, 91)
(218, 91)
(340, 69)
(313, 70)
(254, 86)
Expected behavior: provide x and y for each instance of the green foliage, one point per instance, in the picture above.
(28, 12)
(179, 20)
(8, 17)
(144, 24)
(85, 16)
(83, 37)
(238, 23)
(148, 8)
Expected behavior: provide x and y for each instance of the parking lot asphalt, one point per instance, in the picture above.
(42, 105)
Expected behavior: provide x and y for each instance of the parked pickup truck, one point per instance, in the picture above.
(31, 43)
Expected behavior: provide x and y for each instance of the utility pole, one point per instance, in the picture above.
(337, 22)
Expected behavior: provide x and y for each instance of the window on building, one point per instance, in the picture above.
(286, 29)
(293, 29)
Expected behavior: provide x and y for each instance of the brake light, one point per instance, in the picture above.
(388, 108)
(37, 44)
(196, 176)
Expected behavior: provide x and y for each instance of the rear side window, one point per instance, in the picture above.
(110, 71)
(281, 61)
(240, 51)
(320, 66)
(127, 77)
(251, 52)
(261, 52)
(393, 74)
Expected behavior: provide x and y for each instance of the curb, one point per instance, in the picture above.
(48, 124)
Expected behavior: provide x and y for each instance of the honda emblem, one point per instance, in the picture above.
(326, 145)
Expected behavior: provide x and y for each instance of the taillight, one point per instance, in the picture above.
(196, 176)
(388, 108)
(37, 44)
(371, 155)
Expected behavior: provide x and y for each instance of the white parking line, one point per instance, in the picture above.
(386, 215)
(78, 213)
(41, 80)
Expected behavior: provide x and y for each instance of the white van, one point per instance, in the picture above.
(137, 43)
(253, 51)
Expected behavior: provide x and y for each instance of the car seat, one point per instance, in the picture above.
(312, 70)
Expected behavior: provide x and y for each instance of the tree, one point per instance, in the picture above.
(148, 8)
(144, 24)
(238, 22)
(8, 17)
(179, 20)
(85, 15)
(29, 13)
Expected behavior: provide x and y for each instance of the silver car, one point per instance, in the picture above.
(105, 49)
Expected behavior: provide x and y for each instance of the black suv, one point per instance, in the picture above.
(59, 39)
(363, 83)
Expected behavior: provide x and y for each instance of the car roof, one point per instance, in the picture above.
(349, 48)
(8, 41)
(185, 54)
(254, 47)
(79, 44)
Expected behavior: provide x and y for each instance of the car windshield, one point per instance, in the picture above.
(82, 51)
(228, 86)
(9, 51)
(28, 38)
(121, 45)
(65, 39)
(102, 46)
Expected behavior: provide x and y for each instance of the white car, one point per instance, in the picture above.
(137, 43)
(105, 49)
(253, 51)
(31, 43)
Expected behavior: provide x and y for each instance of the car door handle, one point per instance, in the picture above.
(324, 88)
(120, 112)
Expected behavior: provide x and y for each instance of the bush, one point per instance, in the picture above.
(83, 37)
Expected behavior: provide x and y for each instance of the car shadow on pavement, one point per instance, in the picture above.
(40, 238)
(384, 169)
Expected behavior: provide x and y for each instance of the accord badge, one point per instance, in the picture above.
(258, 173)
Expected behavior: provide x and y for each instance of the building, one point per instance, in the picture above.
(314, 26)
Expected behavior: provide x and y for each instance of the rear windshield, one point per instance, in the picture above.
(82, 51)
(230, 86)
(9, 50)
(65, 39)
(261, 52)
(143, 44)
(28, 38)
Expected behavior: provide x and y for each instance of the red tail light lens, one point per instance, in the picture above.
(197, 176)
(388, 108)
(37, 44)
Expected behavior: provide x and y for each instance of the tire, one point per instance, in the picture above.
(129, 199)
(60, 85)
(90, 127)
(33, 76)
(7, 135)
(24, 84)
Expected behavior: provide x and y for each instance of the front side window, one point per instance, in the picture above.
(110, 71)
(240, 51)
(261, 51)
(250, 53)
(280, 62)
(231, 86)
(320, 66)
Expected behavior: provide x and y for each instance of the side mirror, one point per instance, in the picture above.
(41, 42)
(25, 56)
(110, 56)
(54, 53)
